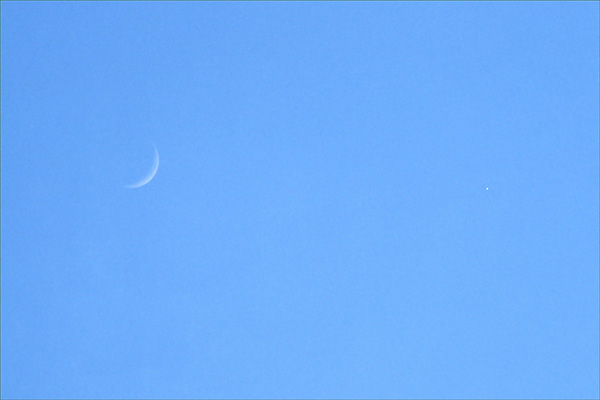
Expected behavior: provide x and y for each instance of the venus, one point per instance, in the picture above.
(149, 175)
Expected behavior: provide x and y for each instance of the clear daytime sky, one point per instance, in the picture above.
(353, 200)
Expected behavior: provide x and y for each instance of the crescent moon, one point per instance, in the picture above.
(149, 175)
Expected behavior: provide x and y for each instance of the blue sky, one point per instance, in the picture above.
(382, 200)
